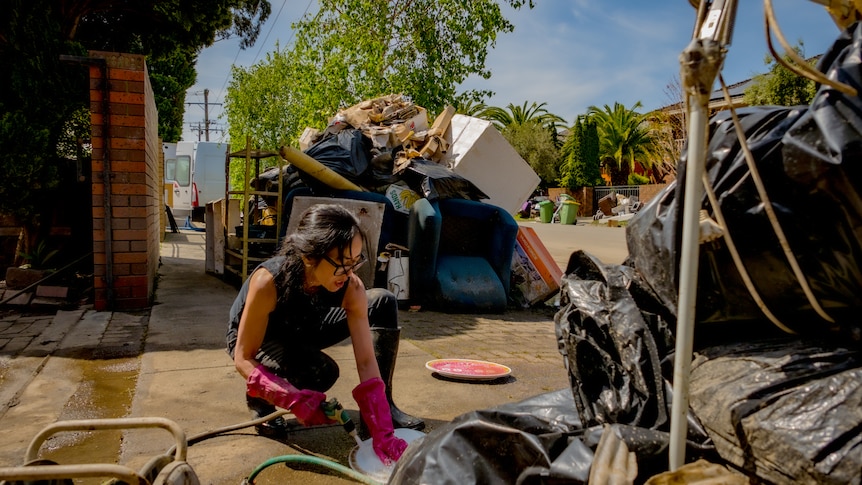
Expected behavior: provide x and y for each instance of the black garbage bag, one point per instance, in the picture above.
(808, 158)
(610, 351)
(787, 410)
(345, 152)
(496, 445)
(539, 440)
(435, 181)
(618, 346)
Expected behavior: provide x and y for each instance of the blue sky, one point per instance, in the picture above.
(570, 54)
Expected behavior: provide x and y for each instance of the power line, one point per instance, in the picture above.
(263, 42)
(275, 21)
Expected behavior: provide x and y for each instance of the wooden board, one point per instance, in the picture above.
(370, 215)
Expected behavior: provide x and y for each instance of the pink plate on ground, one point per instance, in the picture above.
(468, 369)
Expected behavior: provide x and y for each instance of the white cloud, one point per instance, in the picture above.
(575, 53)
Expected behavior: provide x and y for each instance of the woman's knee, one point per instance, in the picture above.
(318, 373)
(382, 308)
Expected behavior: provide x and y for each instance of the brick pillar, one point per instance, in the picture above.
(126, 204)
(587, 206)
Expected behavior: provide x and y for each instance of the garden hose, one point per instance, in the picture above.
(307, 459)
(314, 460)
(233, 427)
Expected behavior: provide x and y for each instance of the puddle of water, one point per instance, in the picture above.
(106, 391)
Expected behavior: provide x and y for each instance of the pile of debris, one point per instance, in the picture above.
(392, 122)
(386, 145)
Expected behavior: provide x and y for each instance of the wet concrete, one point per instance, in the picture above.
(170, 362)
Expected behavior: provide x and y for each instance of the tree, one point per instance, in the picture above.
(534, 144)
(170, 33)
(45, 101)
(350, 51)
(519, 115)
(625, 137)
(780, 86)
(469, 107)
(667, 133)
(580, 156)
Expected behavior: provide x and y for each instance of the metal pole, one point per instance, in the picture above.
(697, 142)
(207, 113)
(700, 64)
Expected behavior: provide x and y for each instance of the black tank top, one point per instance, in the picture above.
(297, 314)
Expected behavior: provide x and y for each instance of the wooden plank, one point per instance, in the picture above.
(370, 215)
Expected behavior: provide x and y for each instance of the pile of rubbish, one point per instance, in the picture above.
(387, 141)
(776, 379)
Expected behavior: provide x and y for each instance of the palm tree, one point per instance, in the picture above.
(469, 107)
(519, 115)
(625, 136)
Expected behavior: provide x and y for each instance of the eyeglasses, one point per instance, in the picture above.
(341, 269)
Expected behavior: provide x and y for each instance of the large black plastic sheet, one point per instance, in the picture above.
(808, 158)
(345, 152)
(787, 411)
(612, 355)
(539, 440)
(613, 348)
(618, 347)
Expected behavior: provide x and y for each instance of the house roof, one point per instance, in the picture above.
(736, 91)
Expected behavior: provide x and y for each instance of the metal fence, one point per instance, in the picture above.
(624, 190)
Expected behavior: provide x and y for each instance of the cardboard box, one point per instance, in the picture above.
(308, 137)
(418, 122)
(479, 153)
(401, 197)
(535, 275)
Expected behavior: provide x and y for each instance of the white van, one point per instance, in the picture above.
(208, 176)
(178, 173)
(196, 173)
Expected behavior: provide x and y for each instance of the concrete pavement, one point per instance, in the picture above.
(170, 362)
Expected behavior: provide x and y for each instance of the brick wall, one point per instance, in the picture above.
(648, 192)
(584, 196)
(126, 204)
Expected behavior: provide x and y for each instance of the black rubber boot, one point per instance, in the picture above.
(274, 428)
(385, 342)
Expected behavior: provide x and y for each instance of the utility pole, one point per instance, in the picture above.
(206, 105)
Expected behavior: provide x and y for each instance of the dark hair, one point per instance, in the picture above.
(321, 228)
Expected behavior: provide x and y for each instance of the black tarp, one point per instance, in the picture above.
(539, 440)
(808, 159)
(435, 181)
(784, 411)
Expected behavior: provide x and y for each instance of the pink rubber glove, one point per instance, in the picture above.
(304, 404)
(372, 402)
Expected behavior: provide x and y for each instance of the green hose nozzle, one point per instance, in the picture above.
(334, 411)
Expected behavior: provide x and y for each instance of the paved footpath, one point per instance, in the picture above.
(170, 362)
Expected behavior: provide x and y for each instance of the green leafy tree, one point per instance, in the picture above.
(469, 107)
(536, 146)
(780, 86)
(350, 51)
(625, 136)
(519, 115)
(44, 101)
(170, 33)
(580, 156)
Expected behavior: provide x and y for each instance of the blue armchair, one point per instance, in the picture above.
(460, 255)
